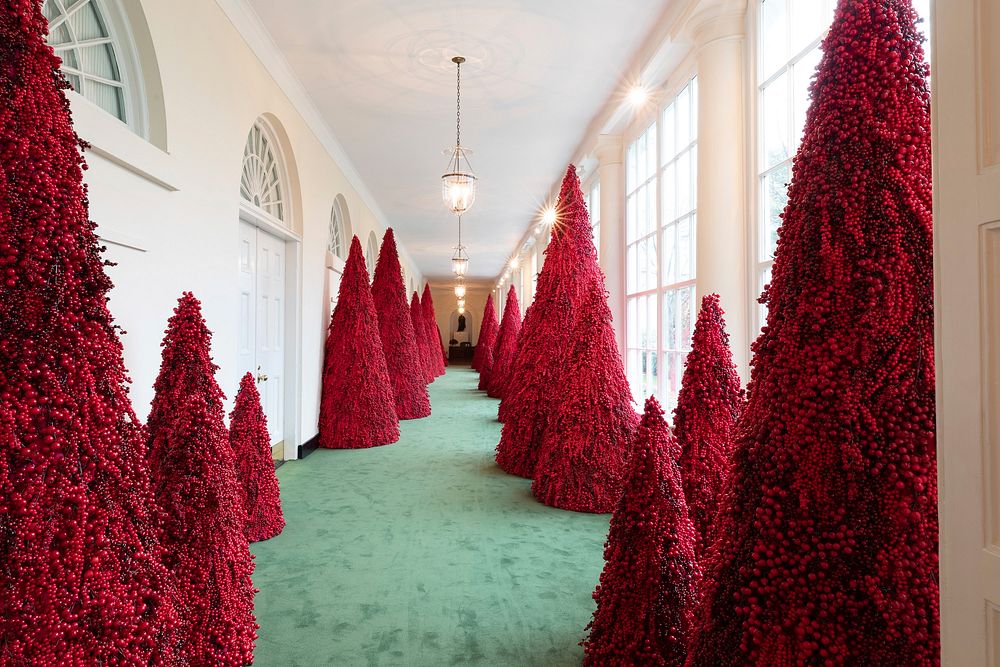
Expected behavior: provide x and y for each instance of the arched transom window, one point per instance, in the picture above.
(371, 254)
(338, 235)
(261, 183)
(81, 34)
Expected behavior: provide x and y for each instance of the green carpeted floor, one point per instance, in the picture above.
(424, 553)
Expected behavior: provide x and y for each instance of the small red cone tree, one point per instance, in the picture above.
(482, 358)
(651, 578)
(826, 551)
(81, 577)
(204, 523)
(584, 453)
(399, 342)
(201, 502)
(708, 405)
(251, 445)
(570, 266)
(357, 409)
(506, 345)
(424, 351)
(433, 332)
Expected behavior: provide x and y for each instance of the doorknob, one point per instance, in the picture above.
(261, 377)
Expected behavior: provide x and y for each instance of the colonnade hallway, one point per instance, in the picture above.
(424, 552)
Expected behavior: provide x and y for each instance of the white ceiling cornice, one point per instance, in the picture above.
(251, 28)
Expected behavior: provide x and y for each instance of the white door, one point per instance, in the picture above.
(966, 115)
(262, 321)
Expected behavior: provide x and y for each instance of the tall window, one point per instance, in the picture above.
(94, 60)
(593, 200)
(371, 254)
(660, 212)
(789, 51)
(337, 243)
(678, 177)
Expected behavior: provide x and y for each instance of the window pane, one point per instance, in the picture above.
(686, 314)
(774, 122)
(683, 105)
(632, 324)
(773, 35)
(669, 132)
(810, 19)
(684, 268)
(775, 197)
(651, 210)
(669, 187)
(630, 269)
(683, 184)
(669, 268)
(670, 320)
(651, 151)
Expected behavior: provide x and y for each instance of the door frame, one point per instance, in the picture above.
(292, 428)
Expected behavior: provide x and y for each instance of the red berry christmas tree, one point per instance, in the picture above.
(433, 333)
(482, 358)
(81, 577)
(708, 405)
(649, 587)
(826, 548)
(204, 525)
(357, 409)
(200, 499)
(584, 453)
(399, 342)
(420, 333)
(251, 445)
(570, 267)
(506, 345)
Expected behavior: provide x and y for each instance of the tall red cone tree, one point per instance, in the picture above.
(433, 332)
(827, 545)
(424, 351)
(506, 345)
(708, 405)
(357, 408)
(649, 587)
(583, 458)
(204, 523)
(399, 341)
(482, 358)
(569, 269)
(81, 578)
(200, 499)
(251, 445)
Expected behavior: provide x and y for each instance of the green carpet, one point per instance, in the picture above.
(424, 553)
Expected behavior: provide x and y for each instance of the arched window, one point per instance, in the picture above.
(262, 183)
(98, 58)
(338, 235)
(371, 254)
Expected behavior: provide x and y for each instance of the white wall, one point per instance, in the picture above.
(179, 217)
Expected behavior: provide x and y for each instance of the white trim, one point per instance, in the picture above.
(249, 25)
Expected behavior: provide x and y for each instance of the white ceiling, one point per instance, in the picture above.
(537, 72)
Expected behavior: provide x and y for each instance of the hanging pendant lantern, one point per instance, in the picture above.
(460, 289)
(460, 260)
(458, 184)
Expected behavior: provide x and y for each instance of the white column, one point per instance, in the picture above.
(611, 172)
(723, 232)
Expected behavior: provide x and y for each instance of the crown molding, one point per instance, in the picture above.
(251, 28)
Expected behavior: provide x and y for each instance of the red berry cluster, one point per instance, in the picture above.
(569, 272)
(827, 546)
(438, 359)
(505, 347)
(356, 409)
(585, 446)
(399, 342)
(251, 445)
(708, 405)
(201, 503)
(424, 351)
(487, 334)
(81, 575)
(651, 579)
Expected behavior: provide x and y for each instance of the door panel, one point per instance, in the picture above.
(270, 329)
(247, 325)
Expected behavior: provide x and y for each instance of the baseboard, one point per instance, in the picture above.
(309, 446)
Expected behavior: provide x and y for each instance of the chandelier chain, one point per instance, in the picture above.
(458, 106)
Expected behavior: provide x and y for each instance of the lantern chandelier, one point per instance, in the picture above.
(460, 260)
(458, 184)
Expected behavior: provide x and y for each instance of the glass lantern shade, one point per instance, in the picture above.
(461, 303)
(460, 290)
(460, 262)
(458, 184)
